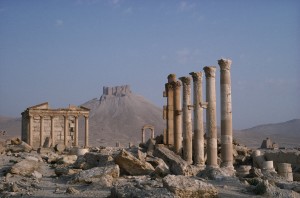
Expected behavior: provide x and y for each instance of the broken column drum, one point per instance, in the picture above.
(226, 114)
(285, 170)
(170, 109)
(211, 116)
(198, 141)
(177, 117)
(187, 119)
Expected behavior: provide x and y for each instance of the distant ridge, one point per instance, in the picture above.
(286, 134)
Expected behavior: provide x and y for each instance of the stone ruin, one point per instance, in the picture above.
(55, 126)
(268, 144)
(179, 134)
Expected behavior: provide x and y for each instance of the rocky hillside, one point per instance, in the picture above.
(119, 115)
(285, 134)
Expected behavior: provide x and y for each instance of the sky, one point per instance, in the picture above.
(64, 52)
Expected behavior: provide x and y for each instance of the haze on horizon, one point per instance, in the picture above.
(63, 52)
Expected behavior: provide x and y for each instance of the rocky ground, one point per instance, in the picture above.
(151, 170)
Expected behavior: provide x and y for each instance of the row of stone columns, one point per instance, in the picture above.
(66, 129)
(179, 121)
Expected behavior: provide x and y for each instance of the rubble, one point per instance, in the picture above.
(184, 186)
(132, 165)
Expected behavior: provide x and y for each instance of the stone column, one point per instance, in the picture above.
(187, 120)
(198, 141)
(170, 110)
(66, 129)
(86, 131)
(226, 114)
(30, 135)
(211, 117)
(76, 131)
(143, 135)
(177, 118)
(152, 133)
(52, 131)
(41, 131)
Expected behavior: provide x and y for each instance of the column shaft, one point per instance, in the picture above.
(52, 130)
(66, 129)
(30, 135)
(76, 131)
(187, 119)
(177, 118)
(170, 109)
(211, 117)
(198, 141)
(226, 114)
(86, 131)
(41, 131)
(143, 136)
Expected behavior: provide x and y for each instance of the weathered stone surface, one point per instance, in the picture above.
(16, 141)
(67, 159)
(176, 164)
(268, 190)
(25, 167)
(97, 172)
(93, 159)
(44, 151)
(217, 173)
(71, 190)
(132, 165)
(60, 147)
(139, 186)
(283, 156)
(37, 175)
(78, 151)
(161, 168)
(47, 142)
(2, 147)
(23, 147)
(65, 170)
(184, 186)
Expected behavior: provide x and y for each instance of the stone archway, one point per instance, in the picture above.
(147, 126)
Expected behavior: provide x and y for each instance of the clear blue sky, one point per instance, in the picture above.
(63, 52)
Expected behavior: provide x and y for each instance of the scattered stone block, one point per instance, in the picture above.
(47, 143)
(184, 186)
(132, 165)
(60, 147)
(67, 159)
(71, 190)
(176, 164)
(25, 167)
(97, 172)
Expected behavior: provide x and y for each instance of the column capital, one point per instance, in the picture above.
(210, 71)
(171, 77)
(186, 80)
(169, 86)
(86, 116)
(197, 76)
(176, 84)
(224, 64)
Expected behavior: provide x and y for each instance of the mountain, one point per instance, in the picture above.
(12, 126)
(285, 134)
(118, 116)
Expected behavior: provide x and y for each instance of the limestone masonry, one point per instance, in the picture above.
(59, 125)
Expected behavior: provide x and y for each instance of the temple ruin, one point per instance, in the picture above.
(59, 125)
(186, 138)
